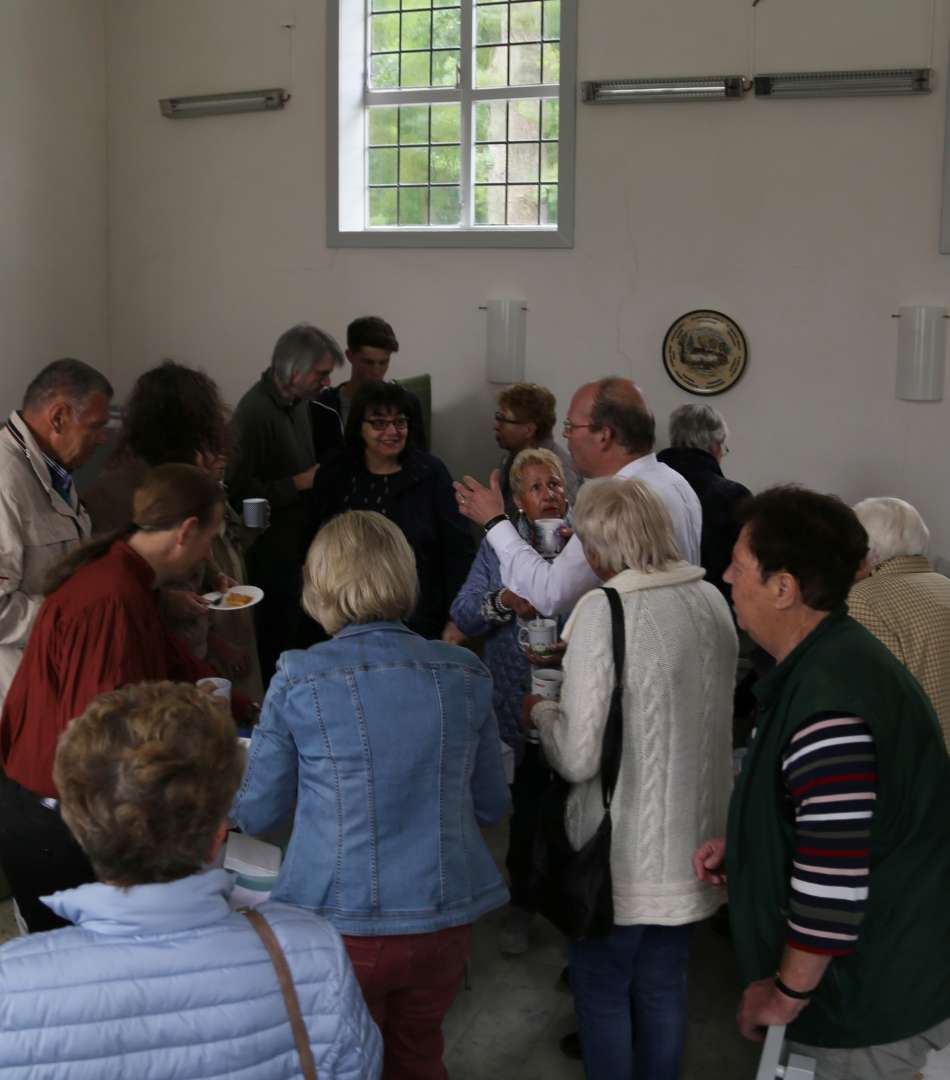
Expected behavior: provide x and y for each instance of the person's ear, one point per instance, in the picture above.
(186, 531)
(532, 432)
(606, 436)
(785, 590)
(58, 415)
(349, 355)
(220, 837)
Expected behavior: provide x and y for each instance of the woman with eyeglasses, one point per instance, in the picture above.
(485, 608)
(379, 468)
(524, 420)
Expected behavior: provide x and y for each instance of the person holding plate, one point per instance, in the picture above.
(485, 608)
(99, 629)
(175, 414)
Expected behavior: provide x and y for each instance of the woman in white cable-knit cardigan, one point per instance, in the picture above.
(675, 772)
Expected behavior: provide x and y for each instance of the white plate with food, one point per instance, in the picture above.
(236, 599)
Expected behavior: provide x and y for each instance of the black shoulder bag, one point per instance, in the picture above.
(574, 889)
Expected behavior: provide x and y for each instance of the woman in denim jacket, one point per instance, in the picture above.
(389, 746)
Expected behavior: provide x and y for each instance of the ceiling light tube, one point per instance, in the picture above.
(221, 104)
(622, 91)
(844, 83)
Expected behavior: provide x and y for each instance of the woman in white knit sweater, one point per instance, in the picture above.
(675, 772)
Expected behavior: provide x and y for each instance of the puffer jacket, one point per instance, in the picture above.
(162, 981)
(38, 528)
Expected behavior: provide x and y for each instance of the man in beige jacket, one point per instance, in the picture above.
(62, 421)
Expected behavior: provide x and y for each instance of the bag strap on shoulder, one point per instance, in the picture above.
(307, 1064)
(612, 745)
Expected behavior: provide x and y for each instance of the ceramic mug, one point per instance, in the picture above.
(539, 635)
(217, 688)
(255, 513)
(548, 534)
(546, 683)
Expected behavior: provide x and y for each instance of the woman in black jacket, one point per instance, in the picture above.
(378, 468)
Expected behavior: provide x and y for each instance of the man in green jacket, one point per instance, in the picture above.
(837, 853)
(274, 460)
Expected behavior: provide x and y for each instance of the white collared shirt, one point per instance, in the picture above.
(555, 587)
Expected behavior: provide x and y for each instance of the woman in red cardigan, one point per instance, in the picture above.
(98, 629)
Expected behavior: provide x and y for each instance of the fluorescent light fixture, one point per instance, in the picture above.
(621, 91)
(844, 83)
(221, 104)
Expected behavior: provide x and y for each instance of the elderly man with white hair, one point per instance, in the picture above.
(902, 601)
(275, 459)
(698, 435)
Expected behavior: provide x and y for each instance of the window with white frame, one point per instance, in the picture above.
(451, 122)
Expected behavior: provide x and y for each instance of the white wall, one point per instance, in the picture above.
(808, 222)
(53, 176)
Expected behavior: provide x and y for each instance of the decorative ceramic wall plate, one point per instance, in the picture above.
(705, 352)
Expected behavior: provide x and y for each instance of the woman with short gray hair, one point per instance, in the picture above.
(384, 747)
(675, 771)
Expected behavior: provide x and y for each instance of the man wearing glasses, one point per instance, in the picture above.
(610, 432)
(370, 344)
(525, 420)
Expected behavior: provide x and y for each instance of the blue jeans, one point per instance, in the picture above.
(630, 999)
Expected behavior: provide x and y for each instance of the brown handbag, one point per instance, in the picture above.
(307, 1065)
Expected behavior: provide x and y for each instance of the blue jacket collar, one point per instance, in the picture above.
(373, 627)
(185, 904)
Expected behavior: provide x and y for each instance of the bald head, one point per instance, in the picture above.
(609, 424)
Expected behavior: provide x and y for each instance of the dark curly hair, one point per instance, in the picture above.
(377, 395)
(173, 414)
(818, 539)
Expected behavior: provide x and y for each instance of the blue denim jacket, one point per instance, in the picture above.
(389, 746)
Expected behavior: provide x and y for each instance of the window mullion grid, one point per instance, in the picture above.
(466, 81)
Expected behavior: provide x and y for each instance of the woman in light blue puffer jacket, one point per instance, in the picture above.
(159, 978)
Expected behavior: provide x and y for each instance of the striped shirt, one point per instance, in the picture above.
(830, 773)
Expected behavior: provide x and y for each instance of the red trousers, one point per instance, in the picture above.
(409, 981)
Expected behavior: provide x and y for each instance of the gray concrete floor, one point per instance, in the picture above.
(507, 1026)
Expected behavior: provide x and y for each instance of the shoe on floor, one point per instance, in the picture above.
(515, 937)
(571, 1046)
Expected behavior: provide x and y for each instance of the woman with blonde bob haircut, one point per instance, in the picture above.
(384, 746)
(675, 771)
(341, 586)
(159, 976)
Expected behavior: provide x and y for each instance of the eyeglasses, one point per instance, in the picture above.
(500, 418)
(380, 423)
(570, 426)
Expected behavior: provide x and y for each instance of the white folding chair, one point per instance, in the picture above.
(797, 1067)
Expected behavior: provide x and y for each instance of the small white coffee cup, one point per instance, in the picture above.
(548, 533)
(255, 513)
(546, 683)
(539, 635)
(218, 688)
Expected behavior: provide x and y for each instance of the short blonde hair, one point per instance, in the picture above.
(625, 525)
(145, 778)
(359, 568)
(529, 457)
